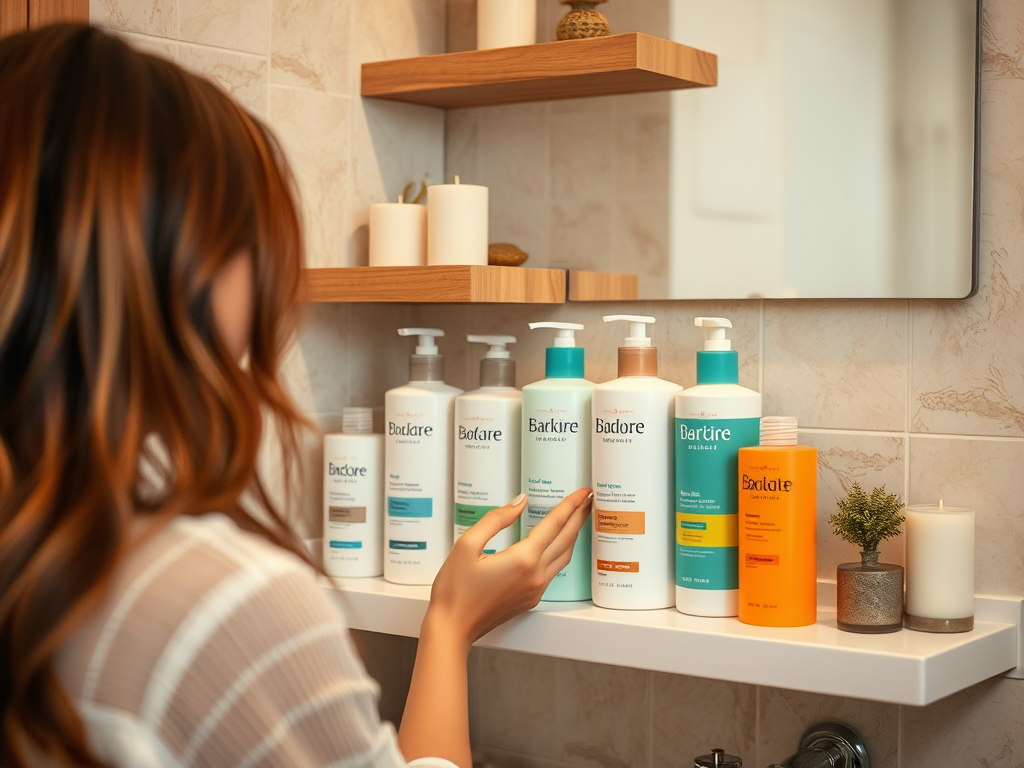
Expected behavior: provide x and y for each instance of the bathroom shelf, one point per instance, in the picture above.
(603, 286)
(904, 667)
(600, 66)
(440, 284)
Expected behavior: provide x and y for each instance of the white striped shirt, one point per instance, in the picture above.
(216, 648)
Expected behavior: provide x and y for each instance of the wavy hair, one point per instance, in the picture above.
(125, 185)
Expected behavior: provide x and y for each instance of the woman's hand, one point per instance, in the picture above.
(473, 593)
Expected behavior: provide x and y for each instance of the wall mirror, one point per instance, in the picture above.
(836, 158)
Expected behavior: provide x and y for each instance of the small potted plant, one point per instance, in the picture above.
(869, 594)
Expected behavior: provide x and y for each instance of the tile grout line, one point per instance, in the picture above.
(650, 719)
(760, 349)
(906, 435)
(906, 420)
(899, 736)
(757, 724)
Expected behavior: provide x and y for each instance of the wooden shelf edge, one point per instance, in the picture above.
(603, 286)
(448, 284)
(627, 63)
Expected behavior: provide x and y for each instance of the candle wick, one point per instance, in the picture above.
(401, 199)
(457, 180)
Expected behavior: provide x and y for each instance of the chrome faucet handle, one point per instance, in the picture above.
(828, 745)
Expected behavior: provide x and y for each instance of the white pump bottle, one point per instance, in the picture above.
(418, 466)
(633, 478)
(488, 423)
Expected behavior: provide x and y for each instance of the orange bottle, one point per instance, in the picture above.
(778, 493)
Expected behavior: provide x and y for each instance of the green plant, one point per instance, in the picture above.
(867, 519)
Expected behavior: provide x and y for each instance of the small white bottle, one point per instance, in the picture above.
(634, 554)
(418, 466)
(354, 498)
(488, 422)
(556, 451)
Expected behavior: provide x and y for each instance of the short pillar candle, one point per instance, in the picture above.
(457, 224)
(505, 23)
(398, 235)
(940, 568)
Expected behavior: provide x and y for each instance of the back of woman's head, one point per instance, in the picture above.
(125, 185)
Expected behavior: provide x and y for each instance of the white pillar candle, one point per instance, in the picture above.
(940, 561)
(398, 235)
(456, 224)
(505, 23)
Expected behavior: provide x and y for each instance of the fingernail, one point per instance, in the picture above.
(517, 500)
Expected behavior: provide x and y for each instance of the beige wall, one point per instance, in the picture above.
(926, 396)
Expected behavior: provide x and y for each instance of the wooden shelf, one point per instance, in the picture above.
(603, 286)
(440, 284)
(600, 66)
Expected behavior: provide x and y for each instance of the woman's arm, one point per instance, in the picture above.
(472, 594)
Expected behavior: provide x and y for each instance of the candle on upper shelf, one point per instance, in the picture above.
(457, 224)
(940, 568)
(398, 234)
(505, 23)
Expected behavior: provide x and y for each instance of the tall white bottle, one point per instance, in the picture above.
(418, 466)
(713, 421)
(354, 497)
(556, 450)
(634, 556)
(488, 423)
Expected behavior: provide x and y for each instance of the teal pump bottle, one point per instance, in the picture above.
(556, 451)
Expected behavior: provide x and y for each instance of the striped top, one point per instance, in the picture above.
(216, 648)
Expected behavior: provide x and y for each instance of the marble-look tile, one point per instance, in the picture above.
(785, 715)
(581, 164)
(155, 45)
(461, 359)
(679, 340)
(241, 25)
(694, 715)
(514, 153)
(967, 372)
(603, 715)
(641, 243)
(378, 358)
(519, 693)
(393, 144)
(980, 726)
(396, 29)
(985, 475)
(150, 17)
(525, 225)
(642, 148)
(497, 758)
(648, 16)
(389, 660)
(461, 25)
(314, 130)
(870, 460)
(311, 43)
(837, 365)
(462, 144)
(241, 75)
(581, 234)
(325, 344)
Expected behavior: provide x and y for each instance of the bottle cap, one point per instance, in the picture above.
(563, 360)
(426, 345)
(637, 356)
(637, 328)
(357, 421)
(717, 363)
(498, 344)
(496, 369)
(778, 430)
(714, 333)
(426, 364)
(717, 759)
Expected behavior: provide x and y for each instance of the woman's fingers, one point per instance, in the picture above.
(563, 542)
(495, 521)
(546, 531)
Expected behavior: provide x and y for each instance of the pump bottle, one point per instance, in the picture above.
(418, 466)
(713, 421)
(488, 422)
(556, 450)
(632, 517)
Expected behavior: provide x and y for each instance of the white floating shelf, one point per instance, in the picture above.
(905, 667)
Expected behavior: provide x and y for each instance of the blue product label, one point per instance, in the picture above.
(392, 544)
(707, 462)
(346, 545)
(399, 507)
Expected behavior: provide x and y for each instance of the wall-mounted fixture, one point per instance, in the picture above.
(828, 745)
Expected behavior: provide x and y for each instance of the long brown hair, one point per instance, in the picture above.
(125, 184)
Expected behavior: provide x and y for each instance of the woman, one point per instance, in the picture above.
(155, 609)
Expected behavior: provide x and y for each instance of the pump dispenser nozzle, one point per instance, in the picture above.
(637, 355)
(563, 360)
(714, 333)
(426, 364)
(496, 369)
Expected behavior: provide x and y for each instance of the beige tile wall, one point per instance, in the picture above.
(926, 397)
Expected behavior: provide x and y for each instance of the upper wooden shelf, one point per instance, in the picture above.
(600, 66)
(440, 284)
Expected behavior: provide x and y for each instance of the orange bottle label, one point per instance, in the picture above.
(778, 490)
